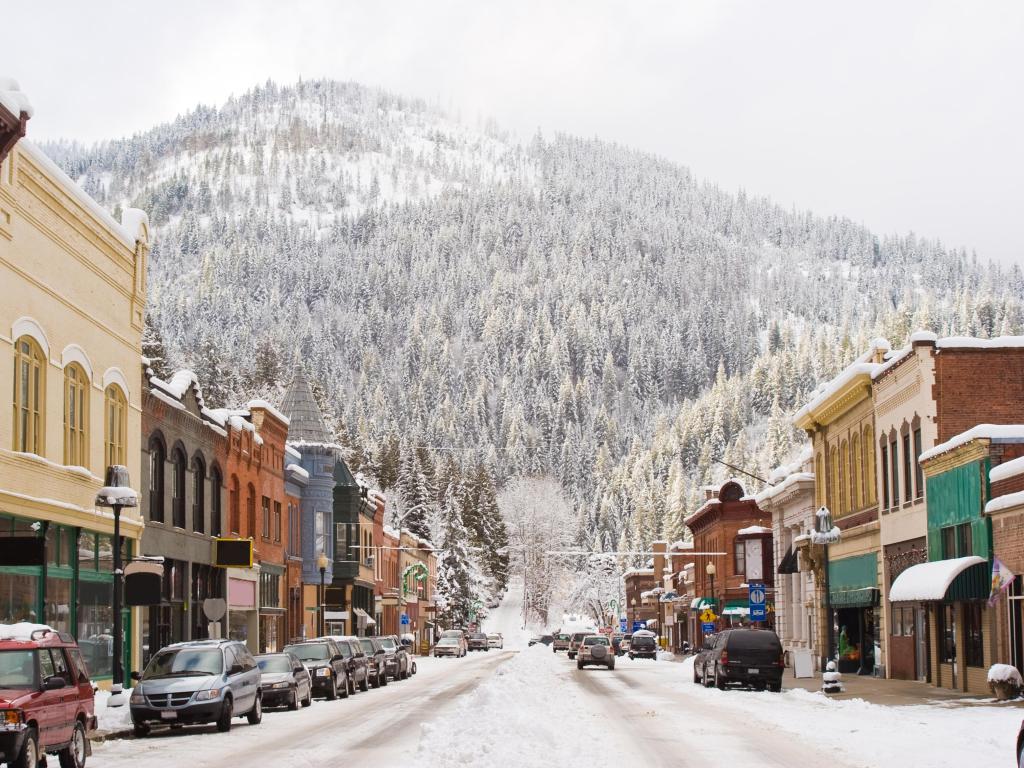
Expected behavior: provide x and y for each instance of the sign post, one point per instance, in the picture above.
(757, 600)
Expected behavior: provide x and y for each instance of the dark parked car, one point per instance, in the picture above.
(643, 645)
(749, 657)
(542, 640)
(399, 662)
(1020, 746)
(356, 665)
(285, 680)
(326, 666)
(478, 641)
(43, 679)
(701, 656)
(202, 681)
(376, 658)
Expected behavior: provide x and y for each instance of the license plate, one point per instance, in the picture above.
(753, 671)
(169, 714)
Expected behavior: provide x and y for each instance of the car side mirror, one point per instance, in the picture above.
(337, 657)
(54, 683)
(135, 675)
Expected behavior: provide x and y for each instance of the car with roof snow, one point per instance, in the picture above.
(643, 645)
(597, 650)
(46, 697)
(195, 682)
(744, 657)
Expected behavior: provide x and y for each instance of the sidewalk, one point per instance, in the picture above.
(895, 692)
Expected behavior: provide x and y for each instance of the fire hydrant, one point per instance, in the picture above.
(831, 679)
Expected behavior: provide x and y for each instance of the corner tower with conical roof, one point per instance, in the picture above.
(308, 434)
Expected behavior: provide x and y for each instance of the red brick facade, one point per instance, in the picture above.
(977, 386)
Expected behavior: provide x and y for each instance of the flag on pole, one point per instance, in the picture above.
(1002, 577)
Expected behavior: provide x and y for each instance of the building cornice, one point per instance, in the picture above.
(975, 450)
(850, 394)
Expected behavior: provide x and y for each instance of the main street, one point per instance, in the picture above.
(529, 707)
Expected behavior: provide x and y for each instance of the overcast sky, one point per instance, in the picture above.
(902, 115)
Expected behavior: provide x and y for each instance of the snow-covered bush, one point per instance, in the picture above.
(1005, 681)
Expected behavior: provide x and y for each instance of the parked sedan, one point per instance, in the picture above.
(478, 642)
(449, 646)
(495, 640)
(356, 663)
(326, 666)
(459, 636)
(285, 680)
(376, 658)
(397, 660)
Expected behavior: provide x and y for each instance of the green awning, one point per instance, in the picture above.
(700, 603)
(853, 581)
(736, 608)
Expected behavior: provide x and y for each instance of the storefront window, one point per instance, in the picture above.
(95, 625)
(58, 603)
(18, 597)
(86, 551)
(974, 654)
(947, 635)
(105, 554)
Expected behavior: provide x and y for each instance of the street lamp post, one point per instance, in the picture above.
(632, 620)
(117, 493)
(322, 562)
(710, 570)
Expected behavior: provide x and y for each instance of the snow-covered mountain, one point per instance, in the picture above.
(560, 305)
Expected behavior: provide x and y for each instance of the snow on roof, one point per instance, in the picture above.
(296, 469)
(179, 383)
(1006, 501)
(12, 97)
(1007, 469)
(862, 365)
(929, 581)
(772, 491)
(969, 342)
(982, 431)
(38, 156)
(919, 336)
(783, 471)
(680, 544)
(637, 572)
(21, 631)
(289, 451)
(264, 405)
(752, 530)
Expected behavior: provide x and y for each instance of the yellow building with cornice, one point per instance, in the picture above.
(839, 419)
(70, 341)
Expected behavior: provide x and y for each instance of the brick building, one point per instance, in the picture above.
(1006, 512)
(733, 524)
(639, 581)
(389, 582)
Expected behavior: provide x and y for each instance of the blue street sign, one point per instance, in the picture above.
(405, 619)
(757, 599)
(622, 625)
(638, 625)
(708, 628)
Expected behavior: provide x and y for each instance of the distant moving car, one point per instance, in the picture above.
(643, 645)
(285, 680)
(560, 642)
(595, 649)
(459, 636)
(43, 679)
(449, 646)
(202, 681)
(326, 666)
(495, 640)
(575, 639)
(478, 642)
(747, 657)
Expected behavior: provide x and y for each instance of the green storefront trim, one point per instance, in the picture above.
(955, 497)
(853, 581)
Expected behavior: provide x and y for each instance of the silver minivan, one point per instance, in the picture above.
(203, 681)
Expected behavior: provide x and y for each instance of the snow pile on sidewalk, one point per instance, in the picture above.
(520, 717)
(112, 719)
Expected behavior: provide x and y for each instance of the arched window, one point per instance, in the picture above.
(29, 396)
(844, 478)
(833, 477)
(870, 476)
(76, 413)
(198, 494)
(250, 511)
(819, 480)
(234, 511)
(116, 425)
(856, 472)
(215, 496)
(178, 487)
(157, 459)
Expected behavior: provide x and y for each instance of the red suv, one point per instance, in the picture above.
(46, 698)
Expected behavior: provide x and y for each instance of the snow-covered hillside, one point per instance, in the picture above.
(557, 306)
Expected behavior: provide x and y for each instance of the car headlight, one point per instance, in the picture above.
(323, 672)
(13, 717)
(280, 685)
(137, 697)
(208, 694)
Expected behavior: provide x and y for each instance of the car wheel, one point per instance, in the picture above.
(73, 755)
(344, 688)
(293, 700)
(375, 681)
(705, 680)
(611, 664)
(226, 712)
(332, 692)
(308, 701)
(29, 755)
(579, 664)
(775, 687)
(383, 678)
(255, 715)
(719, 680)
(696, 677)
(140, 730)
(364, 684)
(352, 687)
